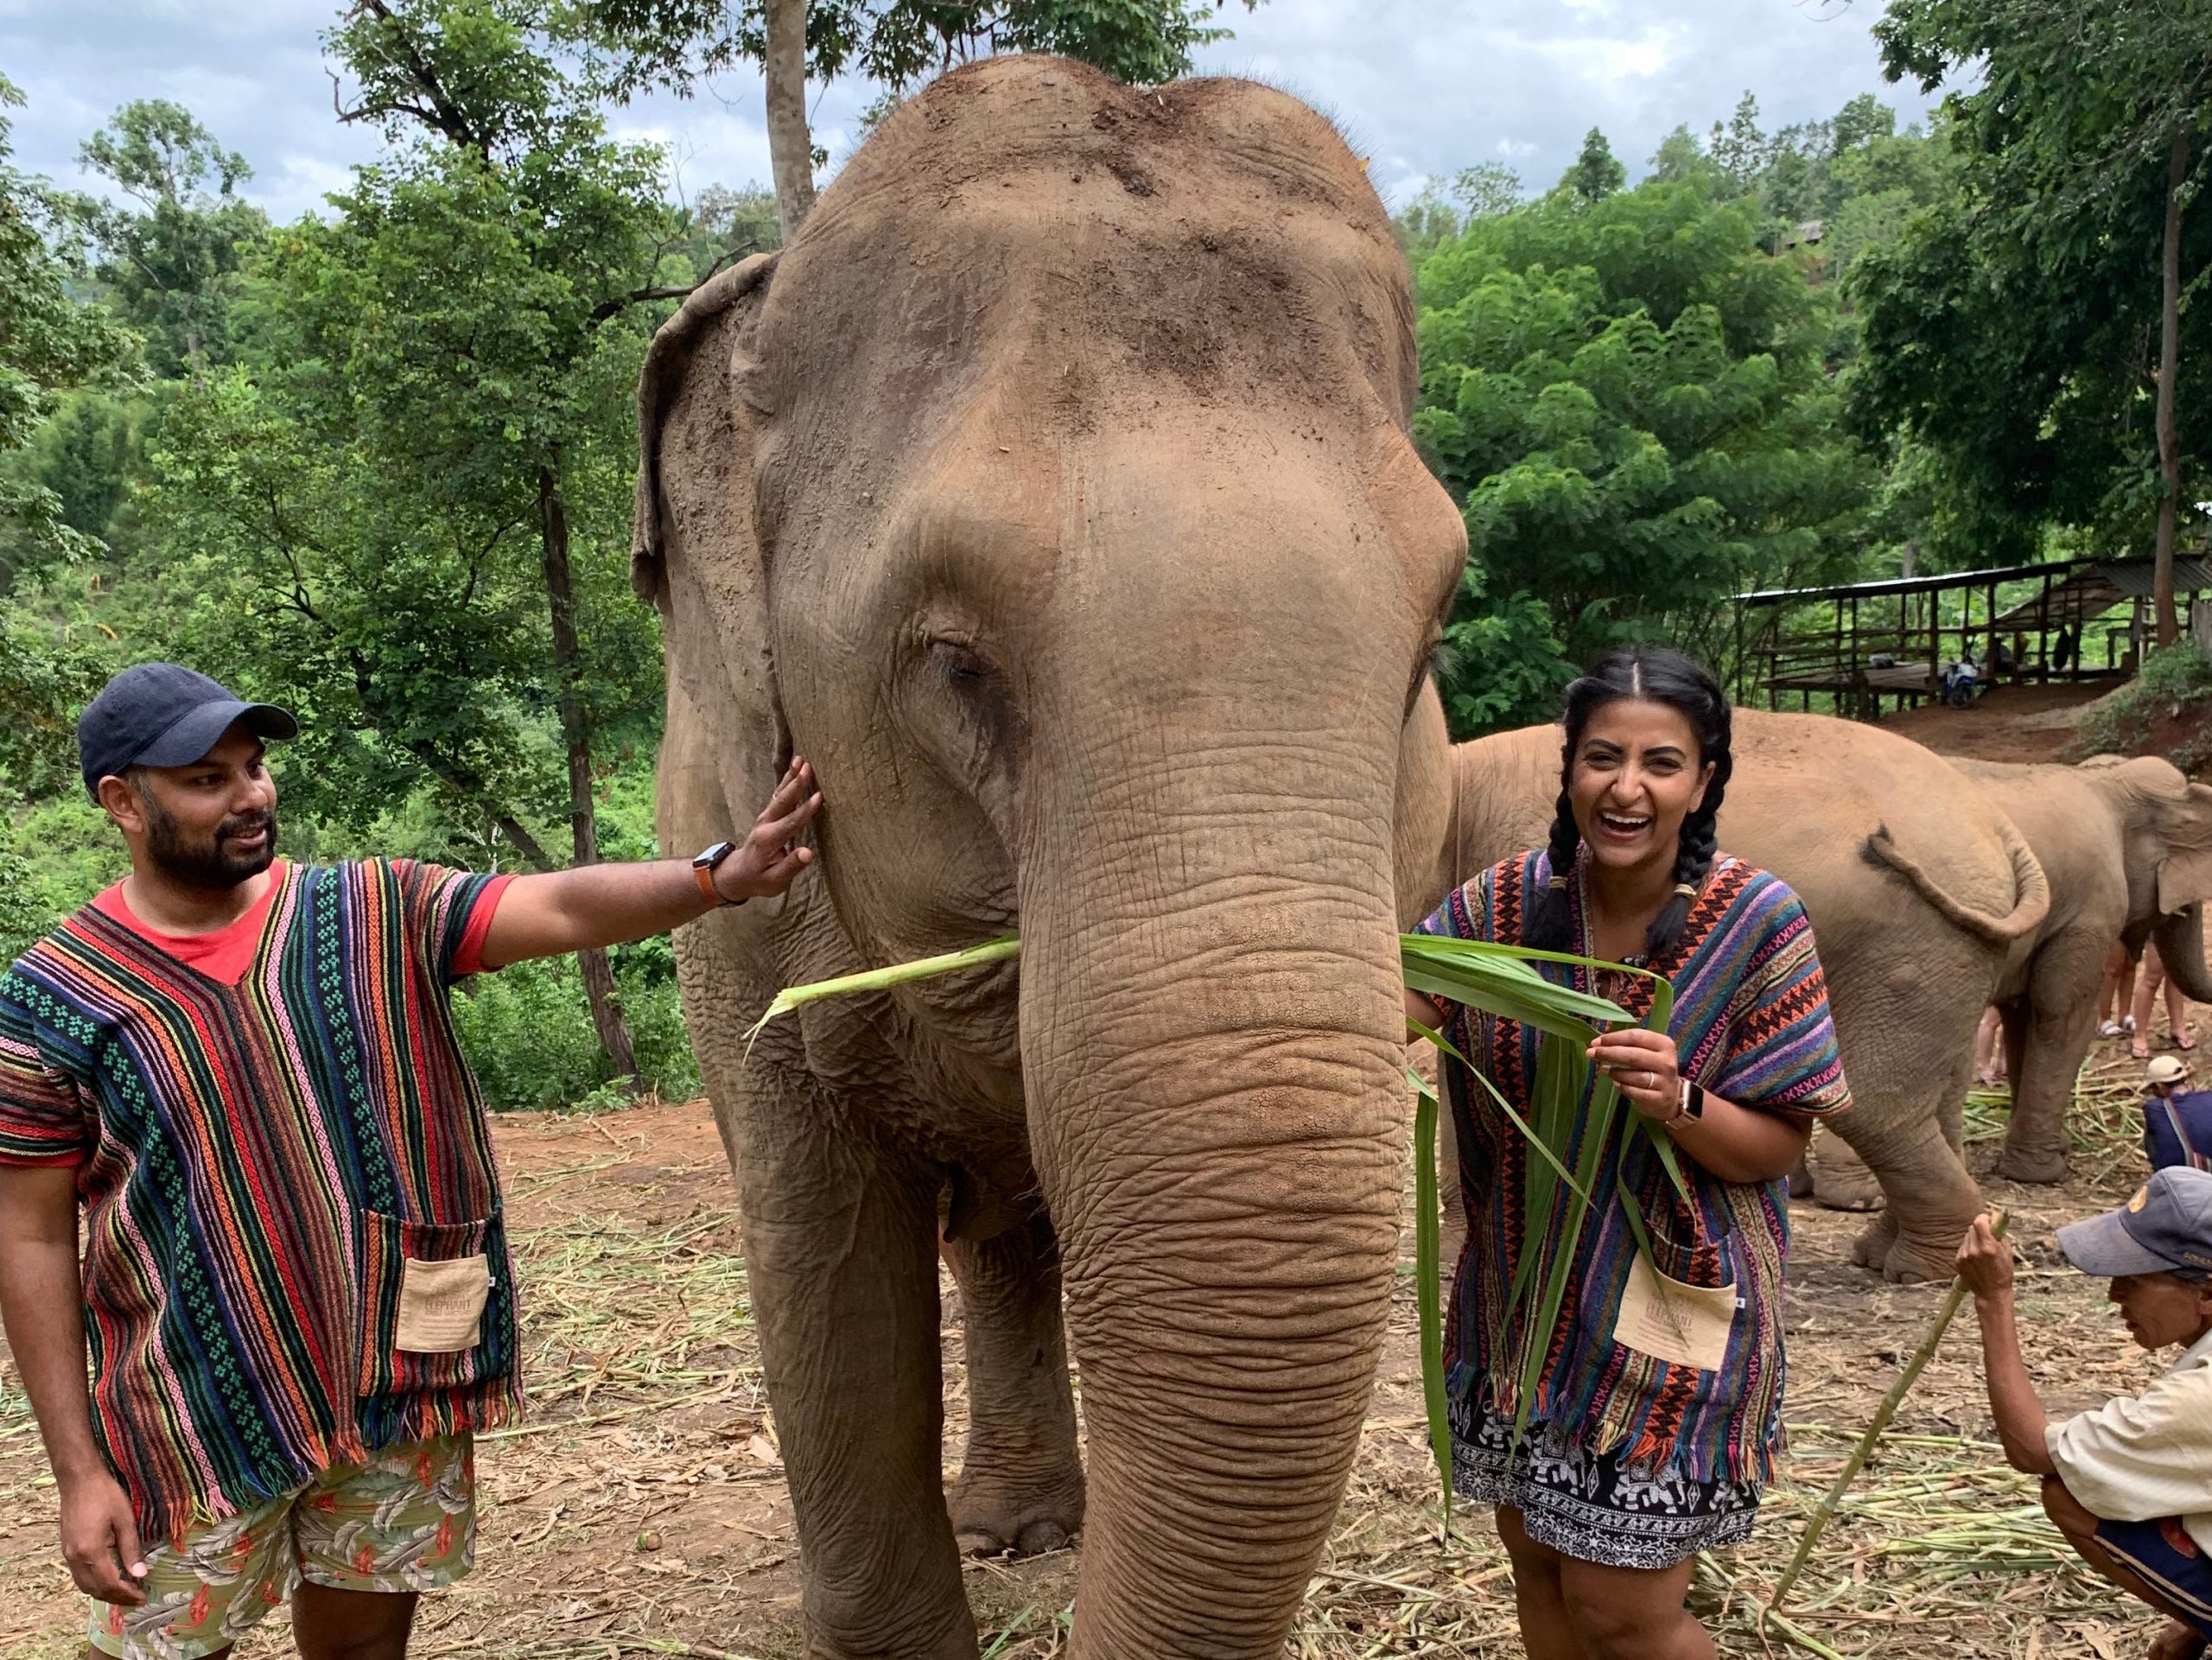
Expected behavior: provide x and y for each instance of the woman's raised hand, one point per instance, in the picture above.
(1645, 1066)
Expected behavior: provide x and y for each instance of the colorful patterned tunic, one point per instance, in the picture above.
(256, 1162)
(1751, 1020)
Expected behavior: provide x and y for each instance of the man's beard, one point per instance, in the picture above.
(213, 866)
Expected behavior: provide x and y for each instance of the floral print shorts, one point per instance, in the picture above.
(404, 1521)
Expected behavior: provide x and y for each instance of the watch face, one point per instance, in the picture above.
(707, 858)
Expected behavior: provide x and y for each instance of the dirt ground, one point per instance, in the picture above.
(2015, 723)
(641, 1508)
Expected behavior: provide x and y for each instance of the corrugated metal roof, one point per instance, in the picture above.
(2132, 577)
(1928, 584)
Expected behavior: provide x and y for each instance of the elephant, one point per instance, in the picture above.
(1916, 884)
(2127, 847)
(1051, 492)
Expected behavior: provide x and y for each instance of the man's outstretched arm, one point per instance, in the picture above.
(1985, 1265)
(42, 1303)
(554, 913)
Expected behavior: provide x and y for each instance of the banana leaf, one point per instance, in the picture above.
(1500, 980)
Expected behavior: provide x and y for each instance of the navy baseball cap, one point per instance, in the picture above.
(164, 715)
(2165, 1229)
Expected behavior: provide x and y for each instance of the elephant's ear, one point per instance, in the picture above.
(2186, 873)
(695, 554)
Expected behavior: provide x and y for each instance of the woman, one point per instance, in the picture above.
(1632, 1463)
(2148, 984)
(2116, 996)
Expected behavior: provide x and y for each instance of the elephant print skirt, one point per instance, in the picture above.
(1589, 1505)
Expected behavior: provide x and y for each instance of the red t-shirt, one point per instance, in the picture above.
(224, 954)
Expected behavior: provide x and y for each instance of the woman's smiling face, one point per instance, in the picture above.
(1637, 773)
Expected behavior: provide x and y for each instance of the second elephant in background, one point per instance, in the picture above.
(2127, 847)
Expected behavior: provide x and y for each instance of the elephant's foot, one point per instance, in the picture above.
(1853, 1189)
(2022, 1164)
(997, 1514)
(1900, 1258)
(1872, 1248)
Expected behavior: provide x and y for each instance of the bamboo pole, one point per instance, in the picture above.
(1824, 1512)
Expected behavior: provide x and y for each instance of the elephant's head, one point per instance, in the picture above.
(1051, 492)
(2166, 822)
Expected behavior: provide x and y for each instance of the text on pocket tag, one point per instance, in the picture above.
(441, 1305)
(1682, 1325)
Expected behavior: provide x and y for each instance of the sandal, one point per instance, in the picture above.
(2181, 1039)
(2109, 1029)
(2138, 1050)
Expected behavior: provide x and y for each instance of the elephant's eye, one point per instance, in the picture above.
(961, 666)
(1433, 664)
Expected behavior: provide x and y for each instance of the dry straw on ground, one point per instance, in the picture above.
(641, 1508)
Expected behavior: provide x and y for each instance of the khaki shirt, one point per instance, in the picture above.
(2143, 1456)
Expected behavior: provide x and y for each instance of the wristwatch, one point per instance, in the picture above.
(1693, 1102)
(702, 869)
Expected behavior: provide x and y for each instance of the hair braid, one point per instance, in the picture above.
(1552, 920)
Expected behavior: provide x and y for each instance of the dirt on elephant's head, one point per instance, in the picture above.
(1216, 230)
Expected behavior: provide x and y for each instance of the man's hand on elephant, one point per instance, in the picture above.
(1646, 1067)
(769, 859)
(1985, 1261)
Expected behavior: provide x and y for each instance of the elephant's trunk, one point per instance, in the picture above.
(1213, 1054)
(2180, 939)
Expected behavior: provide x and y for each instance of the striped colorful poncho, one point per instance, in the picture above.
(1751, 1020)
(257, 1160)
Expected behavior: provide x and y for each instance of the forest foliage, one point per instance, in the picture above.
(376, 464)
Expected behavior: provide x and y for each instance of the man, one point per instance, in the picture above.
(2129, 1484)
(295, 1284)
(2177, 1120)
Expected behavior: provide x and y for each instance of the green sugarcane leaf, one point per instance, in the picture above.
(1529, 1133)
(898, 974)
(1428, 1271)
(1669, 1160)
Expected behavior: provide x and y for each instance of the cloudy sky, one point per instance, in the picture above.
(1425, 87)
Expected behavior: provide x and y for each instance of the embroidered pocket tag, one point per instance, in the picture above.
(1682, 1325)
(441, 1305)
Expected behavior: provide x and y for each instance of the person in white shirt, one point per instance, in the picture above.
(2129, 1484)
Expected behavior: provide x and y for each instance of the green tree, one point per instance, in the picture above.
(2030, 333)
(171, 261)
(1739, 148)
(50, 341)
(1678, 156)
(1630, 401)
(415, 494)
(1595, 173)
(896, 43)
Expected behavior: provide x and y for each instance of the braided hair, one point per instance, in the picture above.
(1657, 676)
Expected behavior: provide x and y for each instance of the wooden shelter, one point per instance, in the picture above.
(1894, 638)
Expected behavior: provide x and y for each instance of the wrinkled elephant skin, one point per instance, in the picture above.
(1915, 882)
(1051, 493)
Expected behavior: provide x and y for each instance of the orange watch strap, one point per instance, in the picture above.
(706, 875)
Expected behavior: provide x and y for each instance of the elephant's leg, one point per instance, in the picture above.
(1840, 1178)
(1020, 1485)
(840, 1252)
(2060, 1024)
(1930, 1197)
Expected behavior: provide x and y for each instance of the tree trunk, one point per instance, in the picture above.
(575, 737)
(791, 146)
(2162, 570)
